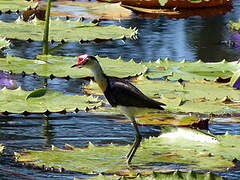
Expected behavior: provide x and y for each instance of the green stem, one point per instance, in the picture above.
(46, 28)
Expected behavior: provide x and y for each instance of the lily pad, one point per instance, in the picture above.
(186, 70)
(184, 147)
(70, 31)
(42, 100)
(94, 10)
(14, 5)
(197, 96)
(60, 66)
(167, 175)
(4, 43)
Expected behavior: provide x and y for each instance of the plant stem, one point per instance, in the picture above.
(46, 28)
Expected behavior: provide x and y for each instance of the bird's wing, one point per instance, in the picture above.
(120, 92)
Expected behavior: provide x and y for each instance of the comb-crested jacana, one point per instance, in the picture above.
(122, 94)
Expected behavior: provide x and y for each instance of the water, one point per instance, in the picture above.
(192, 39)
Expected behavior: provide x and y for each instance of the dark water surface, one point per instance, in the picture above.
(192, 39)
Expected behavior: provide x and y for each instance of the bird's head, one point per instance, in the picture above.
(85, 61)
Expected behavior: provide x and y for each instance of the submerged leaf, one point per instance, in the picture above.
(182, 147)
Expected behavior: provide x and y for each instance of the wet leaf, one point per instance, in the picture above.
(164, 175)
(37, 93)
(95, 10)
(42, 100)
(180, 147)
(70, 31)
(14, 5)
(196, 96)
(191, 70)
(152, 11)
(60, 66)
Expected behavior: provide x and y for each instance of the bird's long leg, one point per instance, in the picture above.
(137, 141)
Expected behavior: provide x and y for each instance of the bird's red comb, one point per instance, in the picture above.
(81, 60)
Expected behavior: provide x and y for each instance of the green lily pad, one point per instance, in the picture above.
(184, 147)
(70, 31)
(60, 66)
(168, 175)
(186, 70)
(4, 43)
(14, 5)
(193, 96)
(42, 100)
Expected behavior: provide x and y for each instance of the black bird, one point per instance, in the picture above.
(122, 94)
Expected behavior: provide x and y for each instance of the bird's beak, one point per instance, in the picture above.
(76, 65)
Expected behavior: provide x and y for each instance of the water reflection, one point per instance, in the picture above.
(192, 39)
(48, 131)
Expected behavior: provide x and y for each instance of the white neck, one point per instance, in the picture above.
(99, 76)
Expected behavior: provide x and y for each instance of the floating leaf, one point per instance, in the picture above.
(14, 5)
(165, 175)
(37, 93)
(68, 30)
(94, 10)
(190, 70)
(184, 147)
(196, 96)
(42, 100)
(60, 66)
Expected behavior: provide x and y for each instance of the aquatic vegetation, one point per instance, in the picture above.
(190, 90)
(43, 101)
(186, 148)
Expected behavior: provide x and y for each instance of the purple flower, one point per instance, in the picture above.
(7, 81)
(235, 38)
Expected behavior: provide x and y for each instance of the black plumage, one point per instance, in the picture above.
(121, 92)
